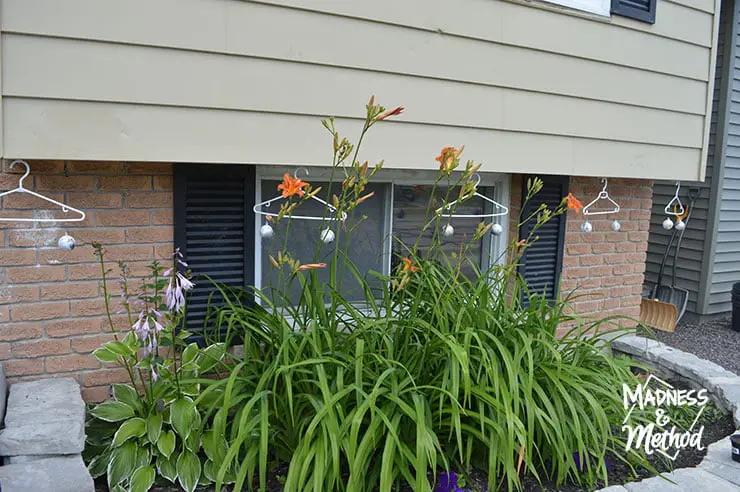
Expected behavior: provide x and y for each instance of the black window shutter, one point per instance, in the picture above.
(214, 229)
(543, 260)
(642, 10)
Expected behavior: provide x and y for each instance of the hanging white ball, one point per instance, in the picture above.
(448, 230)
(587, 227)
(327, 235)
(616, 226)
(668, 224)
(66, 242)
(497, 229)
(680, 225)
(266, 231)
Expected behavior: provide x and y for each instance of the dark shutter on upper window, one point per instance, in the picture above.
(542, 261)
(214, 229)
(642, 10)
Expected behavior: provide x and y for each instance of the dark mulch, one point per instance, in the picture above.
(712, 339)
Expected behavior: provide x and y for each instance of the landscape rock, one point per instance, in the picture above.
(44, 417)
(634, 345)
(60, 474)
(684, 479)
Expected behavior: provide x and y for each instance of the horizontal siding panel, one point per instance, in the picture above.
(703, 5)
(416, 54)
(110, 73)
(221, 25)
(676, 21)
(44, 127)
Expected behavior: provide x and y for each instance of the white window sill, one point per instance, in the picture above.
(566, 8)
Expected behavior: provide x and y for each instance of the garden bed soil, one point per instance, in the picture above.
(619, 472)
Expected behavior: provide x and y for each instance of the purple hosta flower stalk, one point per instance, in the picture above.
(179, 258)
(147, 328)
(176, 289)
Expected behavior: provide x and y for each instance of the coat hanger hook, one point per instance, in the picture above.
(606, 182)
(295, 174)
(28, 171)
(678, 188)
(477, 179)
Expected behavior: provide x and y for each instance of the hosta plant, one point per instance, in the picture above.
(151, 427)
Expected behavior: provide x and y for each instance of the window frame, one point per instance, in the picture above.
(597, 7)
(494, 247)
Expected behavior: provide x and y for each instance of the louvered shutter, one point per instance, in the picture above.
(542, 261)
(642, 10)
(214, 229)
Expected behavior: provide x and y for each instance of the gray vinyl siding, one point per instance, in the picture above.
(227, 81)
(725, 263)
(690, 264)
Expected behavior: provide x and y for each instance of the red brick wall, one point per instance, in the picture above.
(51, 307)
(605, 269)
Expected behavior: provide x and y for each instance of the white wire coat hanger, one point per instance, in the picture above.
(20, 189)
(603, 195)
(267, 203)
(675, 201)
(503, 208)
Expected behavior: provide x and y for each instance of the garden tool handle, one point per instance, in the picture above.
(694, 194)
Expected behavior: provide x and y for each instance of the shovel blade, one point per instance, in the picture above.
(658, 315)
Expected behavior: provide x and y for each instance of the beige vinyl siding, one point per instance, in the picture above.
(232, 81)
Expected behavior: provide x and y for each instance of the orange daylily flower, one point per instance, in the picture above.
(311, 266)
(447, 157)
(292, 186)
(390, 112)
(574, 203)
(409, 267)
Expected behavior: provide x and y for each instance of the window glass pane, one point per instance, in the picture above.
(410, 213)
(365, 241)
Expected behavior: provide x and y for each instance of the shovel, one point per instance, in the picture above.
(667, 304)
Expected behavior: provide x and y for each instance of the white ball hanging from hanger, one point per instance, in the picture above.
(266, 231)
(587, 227)
(680, 225)
(327, 235)
(668, 224)
(448, 230)
(497, 229)
(616, 226)
(66, 242)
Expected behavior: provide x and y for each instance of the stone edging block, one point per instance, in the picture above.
(43, 437)
(722, 384)
(717, 471)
